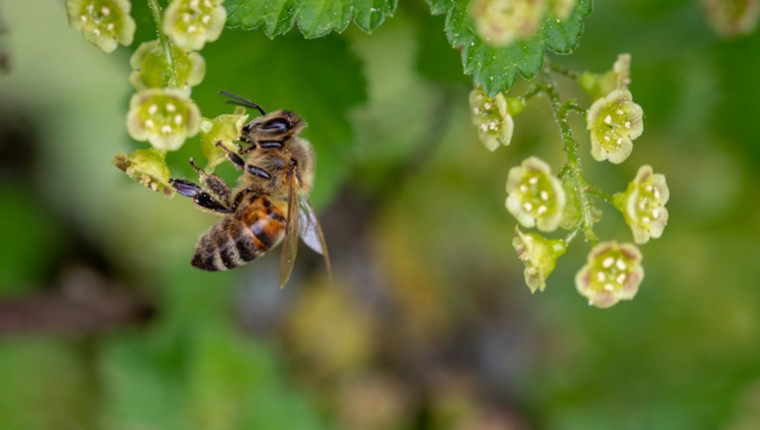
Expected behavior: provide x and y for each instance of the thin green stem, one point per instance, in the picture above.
(590, 189)
(166, 44)
(556, 68)
(573, 158)
(572, 233)
(532, 92)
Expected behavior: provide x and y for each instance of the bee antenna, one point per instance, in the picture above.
(241, 101)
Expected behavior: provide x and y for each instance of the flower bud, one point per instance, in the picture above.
(147, 167)
(539, 255)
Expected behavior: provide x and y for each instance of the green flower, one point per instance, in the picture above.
(612, 273)
(224, 128)
(536, 197)
(539, 255)
(617, 78)
(491, 117)
(150, 68)
(732, 18)
(561, 8)
(614, 122)
(192, 23)
(164, 117)
(643, 204)
(147, 167)
(502, 22)
(104, 23)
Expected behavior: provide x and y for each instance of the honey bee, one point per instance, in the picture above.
(271, 202)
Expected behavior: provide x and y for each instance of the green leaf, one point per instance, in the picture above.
(496, 68)
(315, 18)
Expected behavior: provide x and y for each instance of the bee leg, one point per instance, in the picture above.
(200, 197)
(240, 164)
(234, 158)
(216, 186)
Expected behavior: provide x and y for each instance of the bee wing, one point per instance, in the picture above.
(290, 243)
(310, 230)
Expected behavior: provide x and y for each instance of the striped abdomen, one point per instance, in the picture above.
(243, 236)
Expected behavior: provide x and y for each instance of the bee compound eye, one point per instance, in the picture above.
(276, 124)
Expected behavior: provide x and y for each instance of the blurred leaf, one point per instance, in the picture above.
(319, 79)
(495, 69)
(315, 18)
(30, 239)
(45, 385)
(435, 58)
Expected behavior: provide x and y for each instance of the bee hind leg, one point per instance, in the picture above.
(215, 185)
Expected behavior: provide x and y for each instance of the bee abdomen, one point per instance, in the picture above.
(227, 245)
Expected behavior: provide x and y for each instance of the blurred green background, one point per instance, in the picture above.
(427, 323)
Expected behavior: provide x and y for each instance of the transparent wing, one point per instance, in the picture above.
(290, 243)
(310, 230)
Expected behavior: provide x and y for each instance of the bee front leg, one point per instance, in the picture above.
(240, 164)
(200, 197)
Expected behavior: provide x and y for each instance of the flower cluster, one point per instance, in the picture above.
(104, 23)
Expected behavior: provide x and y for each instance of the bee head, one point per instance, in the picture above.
(276, 126)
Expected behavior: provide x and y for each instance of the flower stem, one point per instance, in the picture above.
(590, 189)
(532, 92)
(573, 158)
(556, 68)
(165, 43)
